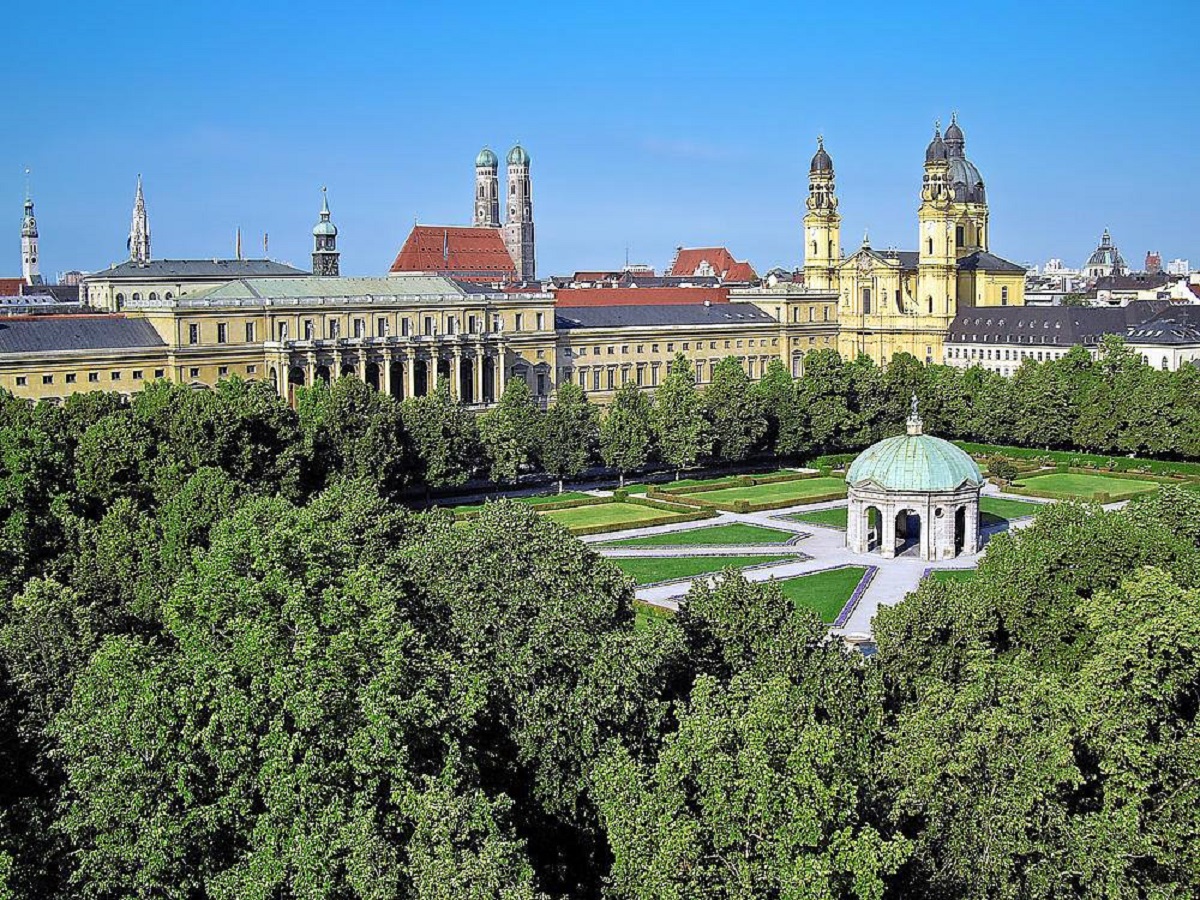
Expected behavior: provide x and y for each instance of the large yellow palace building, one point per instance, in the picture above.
(904, 300)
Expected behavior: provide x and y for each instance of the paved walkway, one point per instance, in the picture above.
(821, 547)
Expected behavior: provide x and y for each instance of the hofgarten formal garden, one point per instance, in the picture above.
(370, 647)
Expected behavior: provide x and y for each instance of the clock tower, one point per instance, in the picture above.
(29, 245)
(325, 252)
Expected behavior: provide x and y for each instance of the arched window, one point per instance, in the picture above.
(120, 299)
(168, 295)
(153, 296)
(136, 296)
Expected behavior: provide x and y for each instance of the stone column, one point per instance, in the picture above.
(887, 537)
(337, 365)
(432, 374)
(311, 378)
(409, 388)
(853, 526)
(478, 362)
(971, 529)
(385, 377)
(362, 364)
(456, 375)
(501, 374)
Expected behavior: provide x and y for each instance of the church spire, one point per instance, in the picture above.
(29, 240)
(325, 252)
(139, 229)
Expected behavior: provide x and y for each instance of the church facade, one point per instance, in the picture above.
(892, 301)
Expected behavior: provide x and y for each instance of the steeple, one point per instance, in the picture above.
(139, 229)
(822, 224)
(325, 252)
(487, 190)
(518, 224)
(29, 241)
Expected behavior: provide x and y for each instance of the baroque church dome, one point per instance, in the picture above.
(1106, 255)
(820, 161)
(966, 184)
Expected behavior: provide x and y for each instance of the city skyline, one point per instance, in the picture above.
(639, 144)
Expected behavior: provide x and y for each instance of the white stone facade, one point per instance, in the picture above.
(935, 525)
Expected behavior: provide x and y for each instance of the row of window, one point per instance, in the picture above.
(1011, 355)
(117, 375)
(611, 350)
(812, 314)
(152, 297)
(609, 377)
(332, 328)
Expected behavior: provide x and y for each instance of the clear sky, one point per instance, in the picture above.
(650, 124)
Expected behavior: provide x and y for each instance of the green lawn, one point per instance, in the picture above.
(719, 479)
(825, 592)
(1085, 487)
(652, 569)
(646, 615)
(952, 574)
(997, 509)
(711, 536)
(781, 490)
(834, 517)
(618, 515)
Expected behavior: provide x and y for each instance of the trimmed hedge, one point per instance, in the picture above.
(736, 481)
(745, 506)
(1076, 458)
(1098, 497)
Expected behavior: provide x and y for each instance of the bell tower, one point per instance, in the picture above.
(822, 225)
(487, 190)
(936, 255)
(139, 229)
(29, 244)
(518, 224)
(325, 252)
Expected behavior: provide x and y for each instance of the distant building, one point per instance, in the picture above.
(465, 253)
(711, 262)
(1105, 260)
(1001, 339)
(167, 279)
(1120, 290)
(1153, 262)
(1169, 340)
(1179, 267)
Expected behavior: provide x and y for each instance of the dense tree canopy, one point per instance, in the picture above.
(232, 665)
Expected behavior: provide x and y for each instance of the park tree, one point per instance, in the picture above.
(569, 433)
(775, 393)
(735, 420)
(1003, 469)
(509, 432)
(626, 432)
(445, 436)
(824, 395)
(680, 429)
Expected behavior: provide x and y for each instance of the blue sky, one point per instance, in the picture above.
(649, 125)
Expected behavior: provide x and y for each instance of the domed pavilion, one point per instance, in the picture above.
(913, 495)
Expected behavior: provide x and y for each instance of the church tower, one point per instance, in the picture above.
(487, 190)
(29, 245)
(822, 225)
(139, 229)
(936, 254)
(967, 190)
(325, 252)
(518, 225)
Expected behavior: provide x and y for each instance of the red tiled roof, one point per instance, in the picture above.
(691, 260)
(646, 296)
(11, 287)
(469, 254)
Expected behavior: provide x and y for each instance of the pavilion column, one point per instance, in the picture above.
(971, 528)
(887, 537)
(477, 371)
(385, 377)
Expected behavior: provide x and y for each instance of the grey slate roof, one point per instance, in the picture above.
(216, 269)
(1063, 326)
(981, 260)
(51, 334)
(1175, 325)
(661, 314)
